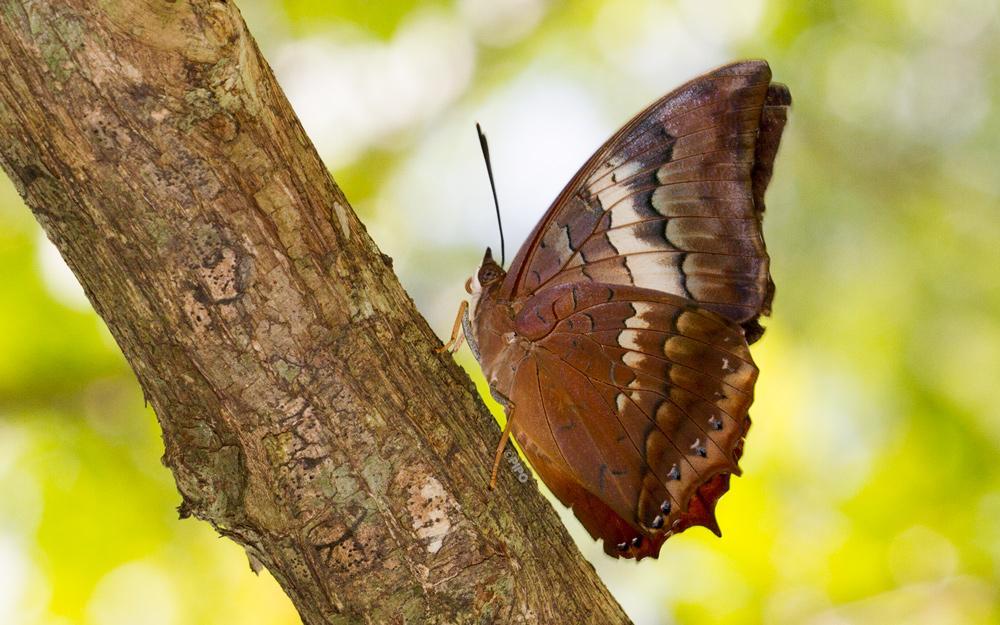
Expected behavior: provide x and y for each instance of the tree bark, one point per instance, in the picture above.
(304, 412)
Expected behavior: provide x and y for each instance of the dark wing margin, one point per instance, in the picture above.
(673, 202)
(632, 407)
(772, 124)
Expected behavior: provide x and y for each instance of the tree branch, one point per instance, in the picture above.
(304, 412)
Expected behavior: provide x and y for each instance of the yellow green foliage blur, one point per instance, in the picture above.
(871, 487)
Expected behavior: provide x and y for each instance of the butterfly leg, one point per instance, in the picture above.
(504, 437)
(457, 335)
(500, 447)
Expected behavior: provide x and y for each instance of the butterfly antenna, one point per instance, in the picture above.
(493, 186)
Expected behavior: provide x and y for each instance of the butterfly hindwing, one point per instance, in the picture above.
(673, 201)
(636, 398)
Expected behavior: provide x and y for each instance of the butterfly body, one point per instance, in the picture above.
(618, 341)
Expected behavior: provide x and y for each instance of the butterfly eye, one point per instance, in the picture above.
(487, 275)
(468, 286)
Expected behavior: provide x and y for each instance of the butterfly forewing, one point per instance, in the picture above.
(669, 203)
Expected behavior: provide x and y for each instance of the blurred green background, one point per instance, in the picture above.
(871, 491)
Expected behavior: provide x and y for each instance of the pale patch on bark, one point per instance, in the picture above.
(428, 505)
(220, 278)
(341, 213)
(197, 313)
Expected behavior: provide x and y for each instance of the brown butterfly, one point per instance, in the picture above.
(618, 341)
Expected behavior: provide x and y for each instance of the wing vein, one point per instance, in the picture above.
(668, 398)
(642, 456)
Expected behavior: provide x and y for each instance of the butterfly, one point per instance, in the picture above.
(617, 341)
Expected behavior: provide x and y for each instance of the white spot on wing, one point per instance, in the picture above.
(625, 169)
(626, 242)
(628, 339)
(622, 211)
(654, 271)
(637, 320)
(557, 239)
(633, 359)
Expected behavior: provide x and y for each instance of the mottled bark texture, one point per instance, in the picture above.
(304, 412)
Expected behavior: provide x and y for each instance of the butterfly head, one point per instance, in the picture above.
(489, 274)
